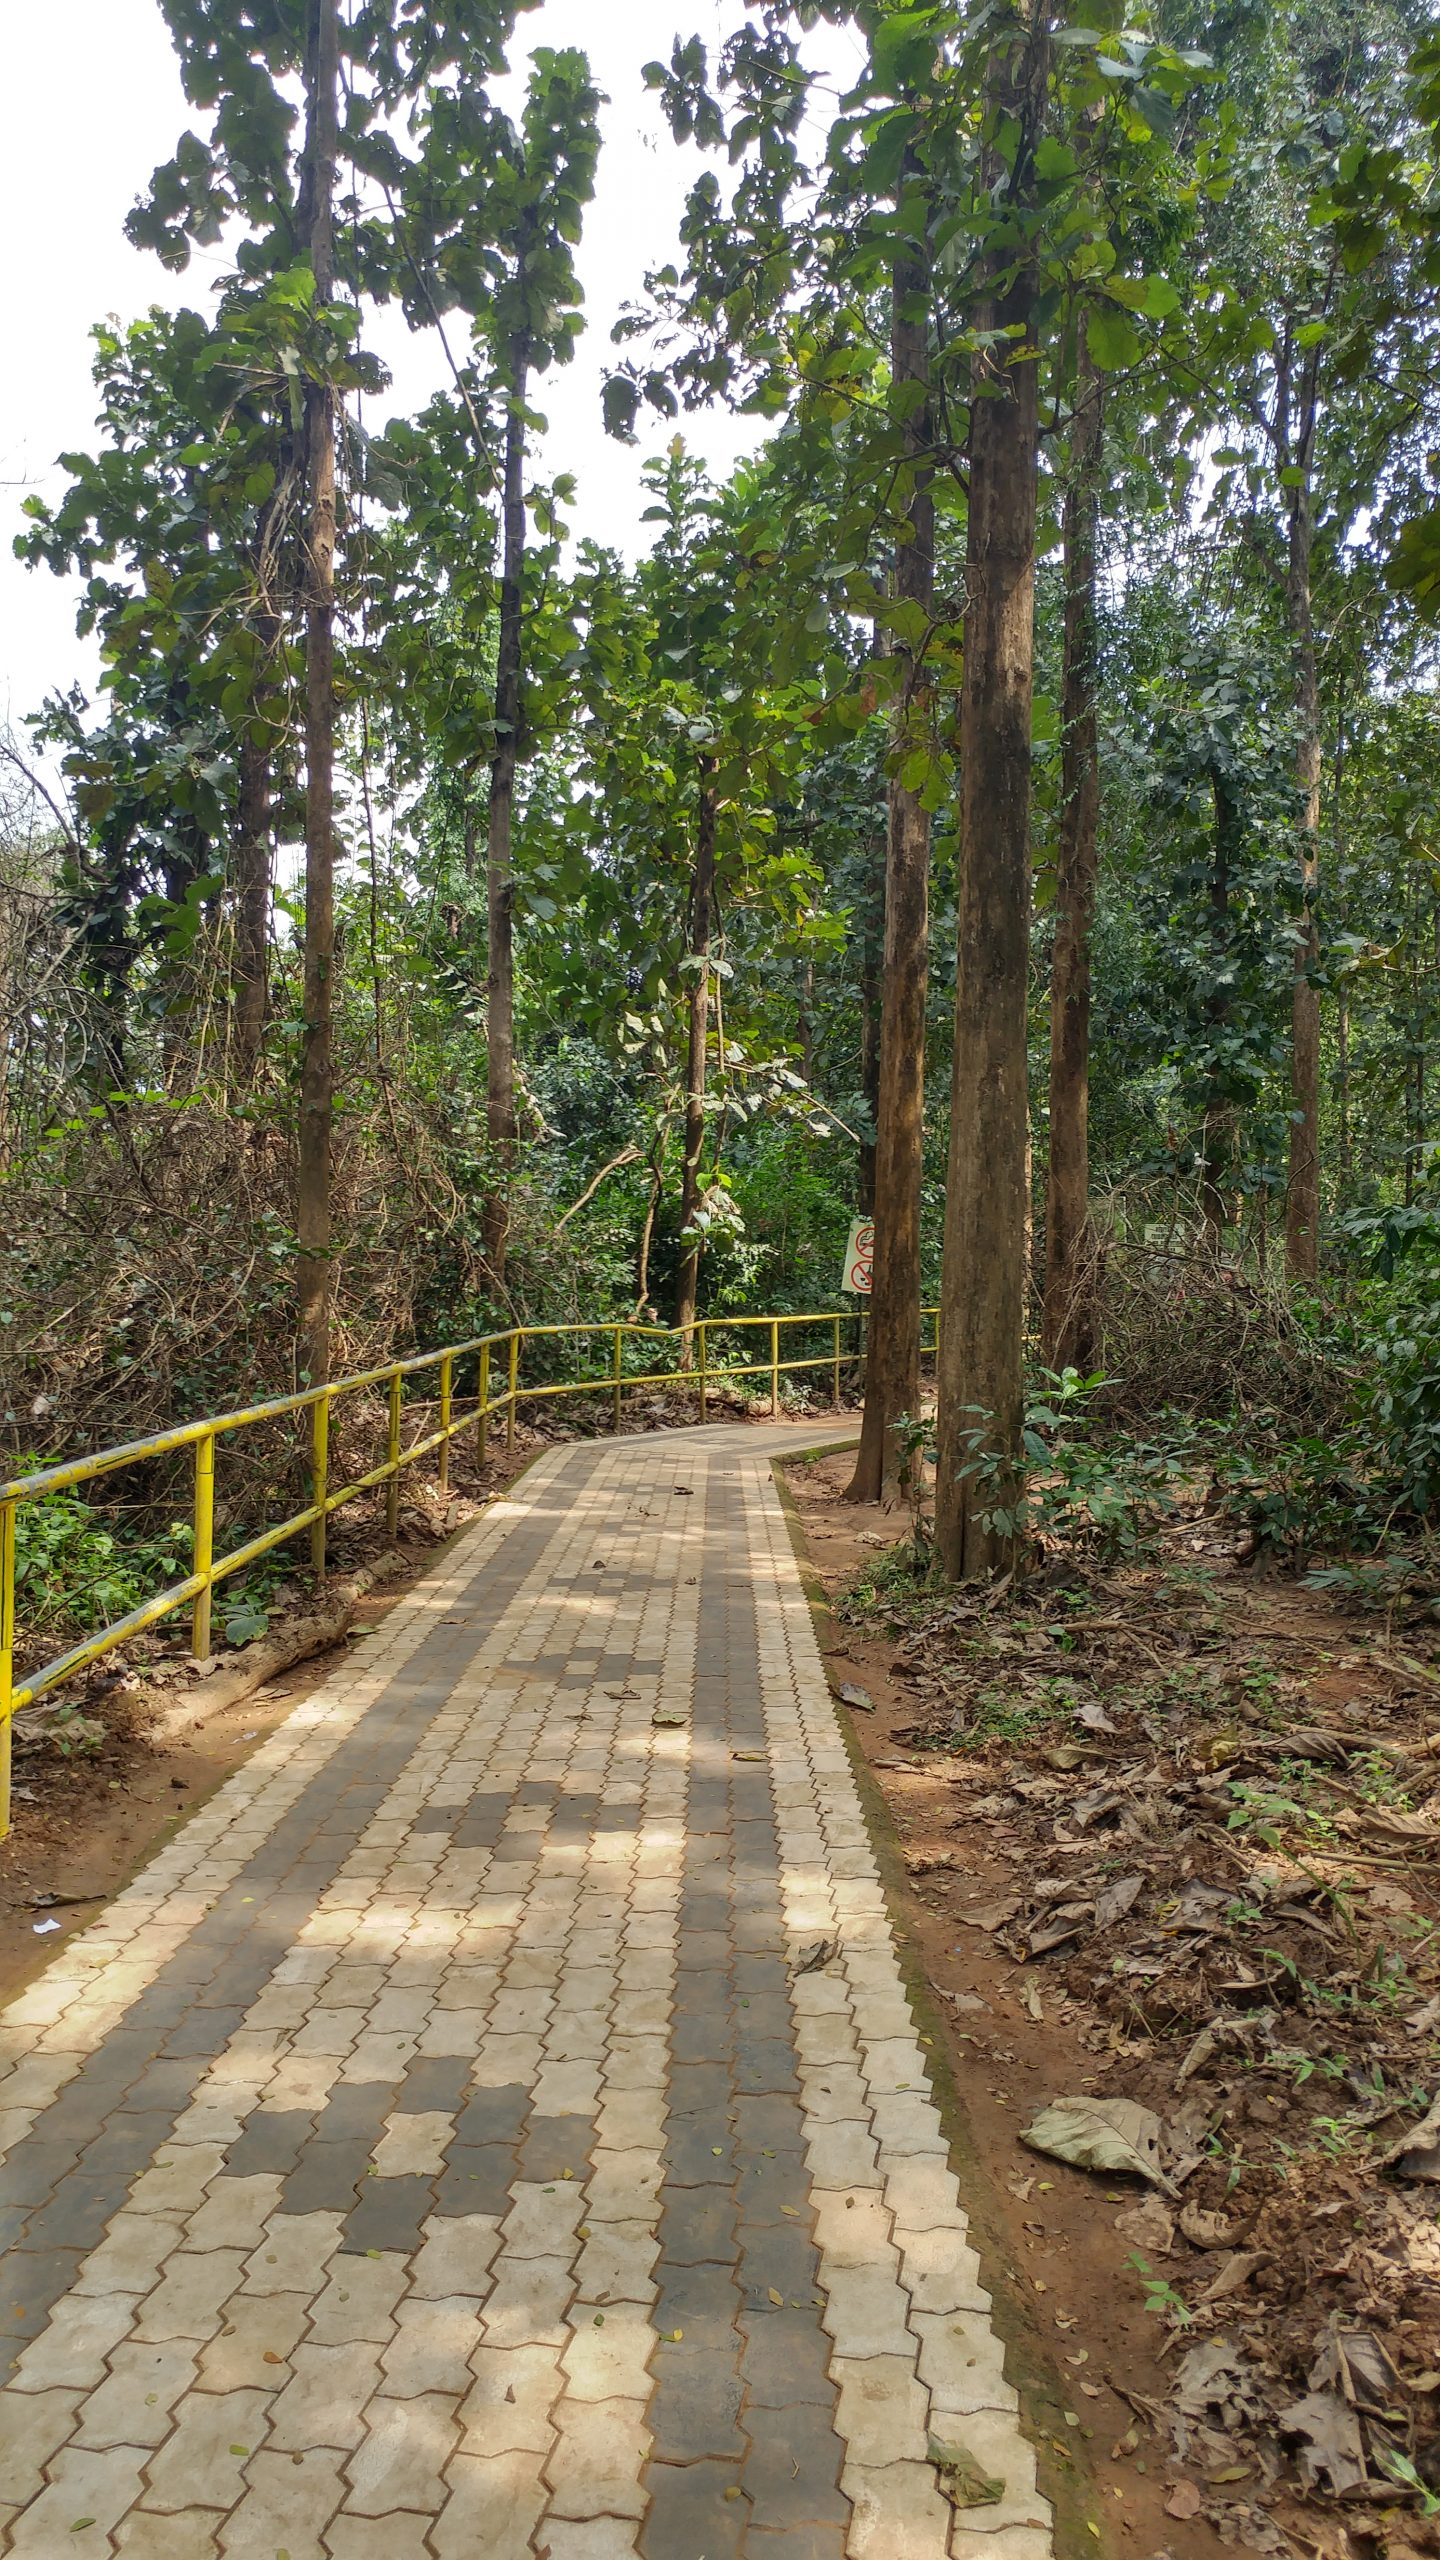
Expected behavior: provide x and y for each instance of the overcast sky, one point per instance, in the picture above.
(91, 101)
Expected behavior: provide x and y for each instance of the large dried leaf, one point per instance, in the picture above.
(1147, 2226)
(1117, 1899)
(1353, 2362)
(1206, 2230)
(1417, 2153)
(1113, 2135)
(1057, 1928)
(1330, 2451)
(1216, 2382)
(991, 1915)
(963, 2479)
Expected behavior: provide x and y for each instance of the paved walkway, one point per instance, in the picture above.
(443, 2148)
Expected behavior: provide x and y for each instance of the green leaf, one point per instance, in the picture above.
(245, 1623)
(1112, 338)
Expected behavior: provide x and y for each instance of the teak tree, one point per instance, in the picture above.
(982, 1322)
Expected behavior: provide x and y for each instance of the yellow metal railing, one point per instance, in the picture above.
(701, 1373)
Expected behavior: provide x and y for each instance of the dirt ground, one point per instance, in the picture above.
(1167, 1841)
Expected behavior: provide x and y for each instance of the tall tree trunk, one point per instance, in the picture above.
(500, 1118)
(252, 903)
(1342, 991)
(1217, 1153)
(1342, 1083)
(317, 1068)
(870, 1000)
(1302, 1198)
(892, 1363)
(1069, 1311)
(982, 1321)
(805, 1023)
(697, 1050)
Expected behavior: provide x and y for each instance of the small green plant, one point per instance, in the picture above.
(1098, 1498)
(1401, 2467)
(1378, 1781)
(1270, 1815)
(1161, 2297)
(1003, 1714)
(244, 1620)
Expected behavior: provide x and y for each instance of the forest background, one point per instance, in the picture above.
(993, 785)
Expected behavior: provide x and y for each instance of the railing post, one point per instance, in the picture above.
(704, 1367)
(514, 1375)
(392, 1455)
(446, 1398)
(619, 1347)
(835, 1398)
(7, 1654)
(203, 1552)
(319, 1481)
(774, 1367)
(482, 1419)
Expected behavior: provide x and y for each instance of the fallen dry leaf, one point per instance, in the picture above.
(1330, 2448)
(851, 1695)
(990, 1916)
(1417, 2153)
(1147, 2226)
(1184, 2501)
(962, 2478)
(1235, 2271)
(1117, 1899)
(1108, 2134)
(1205, 2230)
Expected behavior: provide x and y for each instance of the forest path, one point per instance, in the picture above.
(433, 2152)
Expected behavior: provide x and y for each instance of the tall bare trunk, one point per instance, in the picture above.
(317, 1068)
(982, 1322)
(252, 904)
(870, 999)
(1302, 1199)
(1217, 1154)
(500, 1119)
(1069, 1310)
(805, 1022)
(697, 1051)
(892, 1365)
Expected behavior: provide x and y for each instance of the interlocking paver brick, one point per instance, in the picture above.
(133, 2404)
(287, 2505)
(493, 2506)
(202, 2461)
(102, 2486)
(594, 2465)
(33, 2427)
(697, 2506)
(251, 2348)
(365, 2159)
(512, 2395)
(404, 2448)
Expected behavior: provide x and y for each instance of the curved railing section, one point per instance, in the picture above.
(695, 1368)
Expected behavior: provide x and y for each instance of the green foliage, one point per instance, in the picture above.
(73, 1570)
(1083, 1495)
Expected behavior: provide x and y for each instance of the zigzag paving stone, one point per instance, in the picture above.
(436, 2154)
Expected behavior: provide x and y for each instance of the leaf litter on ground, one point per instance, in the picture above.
(1220, 1812)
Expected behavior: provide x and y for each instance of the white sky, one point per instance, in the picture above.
(91, 101)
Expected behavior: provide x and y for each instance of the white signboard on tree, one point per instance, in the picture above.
(860, 1258)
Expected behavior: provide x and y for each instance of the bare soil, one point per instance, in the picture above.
(1171, 1835)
